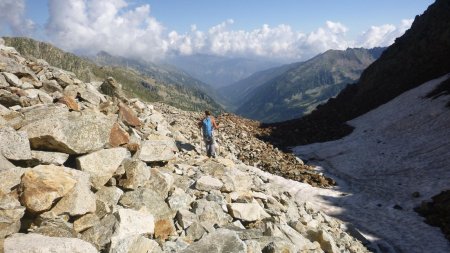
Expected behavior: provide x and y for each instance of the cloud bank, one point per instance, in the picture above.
(89, 26)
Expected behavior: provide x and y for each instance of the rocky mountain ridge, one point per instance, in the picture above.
(149, 82)
(296, 89)
(86, 169)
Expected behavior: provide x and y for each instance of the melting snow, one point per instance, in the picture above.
(399, 148)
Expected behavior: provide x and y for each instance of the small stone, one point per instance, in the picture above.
(136, 244)
(185, 218)
(86, 221)
(179, 200)
(45, 157)
(164, 228)
(208, 183)
(70, 102)
(247, 211)
(221, 240)
(128, 116)
(118, 136)
(195, 231)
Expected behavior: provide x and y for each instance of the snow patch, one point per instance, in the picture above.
(395, 150)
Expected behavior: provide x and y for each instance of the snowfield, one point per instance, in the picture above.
(395, 150)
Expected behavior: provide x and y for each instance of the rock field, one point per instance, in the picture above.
(85, 169)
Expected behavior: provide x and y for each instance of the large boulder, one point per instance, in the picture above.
(136, 174)
(14, 145)
(148, 199)
(80, 200)
(160, 182)
(100, 234)
(102, 164)
(10, 214)
(220, 241)
(70, 132)
(157, 148)
(132, 223)
(43, 185)
(35, 243)
(10, 178)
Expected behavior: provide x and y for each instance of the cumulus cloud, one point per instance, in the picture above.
(383, 35)
(280, 41)
(12, 17)
(114, 26)
(109, 25)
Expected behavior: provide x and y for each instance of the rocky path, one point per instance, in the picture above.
(85, 169)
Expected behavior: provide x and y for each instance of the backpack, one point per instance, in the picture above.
(207, 127)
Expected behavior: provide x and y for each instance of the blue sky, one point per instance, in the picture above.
(253, 28)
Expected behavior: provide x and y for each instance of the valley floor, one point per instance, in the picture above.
(396, 157)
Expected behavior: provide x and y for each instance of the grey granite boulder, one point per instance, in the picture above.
(10, 214)
(102, 164)
(70, 132)
(14, 145)
(157, 149)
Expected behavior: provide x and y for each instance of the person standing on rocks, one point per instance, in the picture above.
(208, 124)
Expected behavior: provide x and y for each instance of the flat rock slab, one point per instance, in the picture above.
(131, 223)
(208, 183)
(157, 149)
(102, 164)
(70, 132)
(35, 243)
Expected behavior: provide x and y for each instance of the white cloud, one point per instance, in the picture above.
(12, 17)
(112, 25)
(94, 25)
(383, 35)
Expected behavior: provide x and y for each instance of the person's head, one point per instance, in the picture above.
(207, 113)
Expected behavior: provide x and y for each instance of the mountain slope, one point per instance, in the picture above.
(219, 71)
(148, 87)
(305, 85)
(419, 55)
(234, 95)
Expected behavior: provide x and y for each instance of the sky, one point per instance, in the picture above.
(152, 29)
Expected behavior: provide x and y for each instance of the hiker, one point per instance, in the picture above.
(208, 124)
